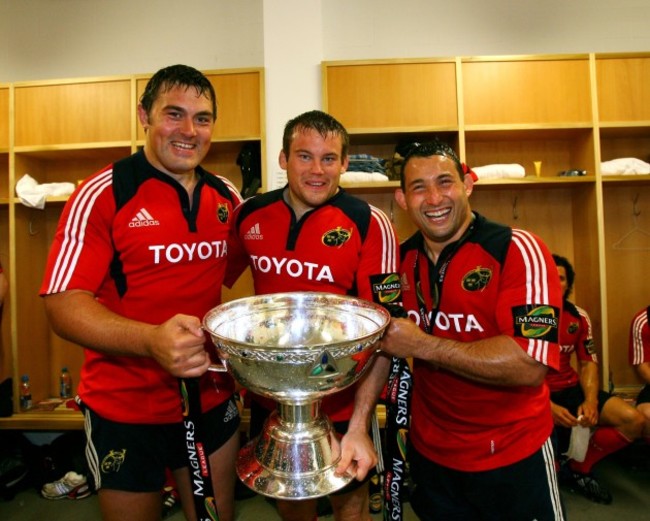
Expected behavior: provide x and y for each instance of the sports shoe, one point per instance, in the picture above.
(589, 487)
(70, 486)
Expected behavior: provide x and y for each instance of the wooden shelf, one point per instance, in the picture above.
(68, 419)
(631, 180)
(58, 420)
(50, 199)
(533, 183)
(527, 131)
(624, 128)
(77, 151)
(377, 187)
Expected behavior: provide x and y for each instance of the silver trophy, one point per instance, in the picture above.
(295, 348)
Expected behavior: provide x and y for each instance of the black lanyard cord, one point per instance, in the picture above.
(437, 273)
(398, 407)
(198, 462)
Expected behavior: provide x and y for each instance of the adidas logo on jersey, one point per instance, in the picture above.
(254, 233)
(231, 412)
(143, 218)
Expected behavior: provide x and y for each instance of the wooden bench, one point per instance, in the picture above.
(64, 419)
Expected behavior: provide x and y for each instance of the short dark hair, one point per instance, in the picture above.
(319, 121)
(570, 273)
(177, 76)
(436, 147)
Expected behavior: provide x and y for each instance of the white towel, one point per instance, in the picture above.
(624, 166)
(280, 179)
(34, 195)
(363, 177)
(499, 171)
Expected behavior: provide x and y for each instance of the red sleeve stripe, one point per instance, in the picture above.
(639, 323)
(75, 231)
(536, 284)
(389, 249)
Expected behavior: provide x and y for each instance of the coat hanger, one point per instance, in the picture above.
(636, 239)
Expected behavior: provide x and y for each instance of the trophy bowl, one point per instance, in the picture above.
(295, 348)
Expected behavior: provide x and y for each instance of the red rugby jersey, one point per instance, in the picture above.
(575, 337)
(345, 246)
(129, 235)
(498, 281)
(639, 346)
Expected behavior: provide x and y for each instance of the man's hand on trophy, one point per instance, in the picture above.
(358, 455)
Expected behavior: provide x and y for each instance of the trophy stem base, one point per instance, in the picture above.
(293, 459)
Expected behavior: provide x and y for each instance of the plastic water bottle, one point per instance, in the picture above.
(25, 394)
(65, 384)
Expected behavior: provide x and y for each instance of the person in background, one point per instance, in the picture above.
(138, 259)
(484, 303)
(576, 398)
(639, 352)
(317, 237)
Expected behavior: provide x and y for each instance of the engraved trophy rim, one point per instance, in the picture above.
(375, 313)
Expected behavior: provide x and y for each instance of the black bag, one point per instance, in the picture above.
(13, 466)
(395, 163)
(6, 398)
(50, 462)
(250, 163)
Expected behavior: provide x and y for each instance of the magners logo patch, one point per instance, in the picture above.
(386, 288)
(336, 237)
(536, 321)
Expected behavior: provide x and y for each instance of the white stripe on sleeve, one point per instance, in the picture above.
(75, 231)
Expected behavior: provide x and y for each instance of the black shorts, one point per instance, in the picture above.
(133, 457)
(572, 397)
(644, 395)
(525, 490)
(259, 414)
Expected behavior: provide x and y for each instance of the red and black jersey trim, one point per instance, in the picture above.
(355, 209)
(128, 176)
(571, 308)
(493, 237)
